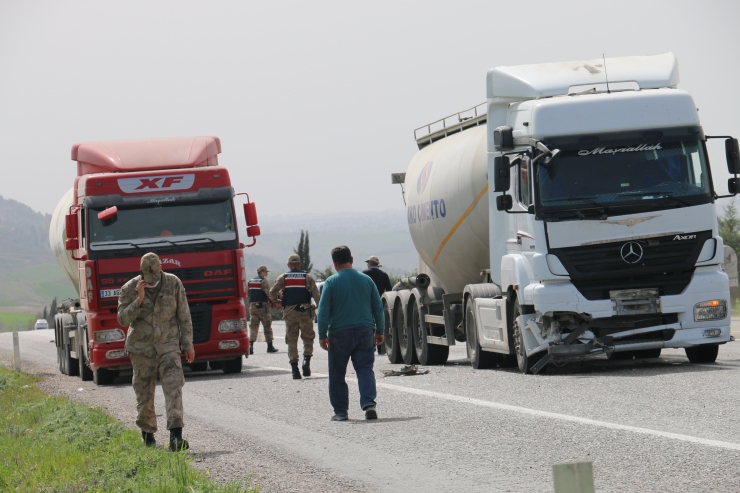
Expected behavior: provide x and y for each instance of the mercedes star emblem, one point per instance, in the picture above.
(631, 252)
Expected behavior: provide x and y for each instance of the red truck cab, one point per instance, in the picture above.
(170, 197)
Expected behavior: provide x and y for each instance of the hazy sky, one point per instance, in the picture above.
(315, 101)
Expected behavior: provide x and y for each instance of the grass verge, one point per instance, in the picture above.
(50, 444)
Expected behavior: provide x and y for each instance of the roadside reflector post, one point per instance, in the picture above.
(574, 477)
(16, 352)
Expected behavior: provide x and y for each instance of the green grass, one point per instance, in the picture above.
(12, 320)
(34, 287)
(49, 444)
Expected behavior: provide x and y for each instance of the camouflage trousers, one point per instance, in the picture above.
(257, 315)
(298, 323)
(169, 368)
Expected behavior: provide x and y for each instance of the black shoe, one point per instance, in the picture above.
(176, 441)
(306, 366)
(149, 440)
(271, 348)
(251, 347)
(371, 413)
(296, 373)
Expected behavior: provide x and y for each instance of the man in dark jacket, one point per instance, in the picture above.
(380, 278)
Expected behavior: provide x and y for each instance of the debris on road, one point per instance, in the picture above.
(406, 371)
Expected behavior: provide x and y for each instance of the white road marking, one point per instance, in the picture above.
(539, 414)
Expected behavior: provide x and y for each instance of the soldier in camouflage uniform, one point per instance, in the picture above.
(156, 310)
(297, 287)
(259, 309)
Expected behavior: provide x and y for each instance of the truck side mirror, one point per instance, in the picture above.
(72, 244)
(70, 225)
(732, 151)
(733, 185)
(250, 213)
(504, 202)
(503, 138)
(501, 179)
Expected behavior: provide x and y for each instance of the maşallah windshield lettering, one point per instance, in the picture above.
(639, 173)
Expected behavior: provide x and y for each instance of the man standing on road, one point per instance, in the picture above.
(380, 278)
(298, 288)
(259, 309)
(351, 324)
(154, 307)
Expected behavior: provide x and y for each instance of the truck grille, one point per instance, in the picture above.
(201, 314)
(200, 282)
(667, 263)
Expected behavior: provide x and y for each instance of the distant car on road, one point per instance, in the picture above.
(41, 324)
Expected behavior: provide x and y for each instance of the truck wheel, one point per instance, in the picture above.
(648, 353)
(427, 354)
(61, 360)
(215, 365)
(479, 359)
(405, 340)
(103, 376)
(233, 366)
(86, 374)
(706, 353)
(71, 364)
(199, 366)
(524, 362)
(391, 338)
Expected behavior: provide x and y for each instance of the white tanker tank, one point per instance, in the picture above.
(446, 195)
(58, 238)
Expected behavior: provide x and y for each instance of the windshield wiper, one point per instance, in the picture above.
(658, 195)
(200, 239)
(165, 241)
(601, 210)
(119, 244)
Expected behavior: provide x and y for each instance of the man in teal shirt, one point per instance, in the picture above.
(351, 324)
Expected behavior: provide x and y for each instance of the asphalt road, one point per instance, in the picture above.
(660, 425)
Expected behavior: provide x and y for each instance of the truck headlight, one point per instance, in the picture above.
(112, 335)
(710, 310)
(233, 325)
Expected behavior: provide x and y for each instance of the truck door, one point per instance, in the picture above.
(525, 222)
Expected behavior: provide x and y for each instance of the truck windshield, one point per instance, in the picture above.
(630, 178)
(165, 224)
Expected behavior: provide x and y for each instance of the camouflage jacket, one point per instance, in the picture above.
(160, 324)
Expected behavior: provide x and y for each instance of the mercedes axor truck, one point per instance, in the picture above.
(571, 215)
(130, 197)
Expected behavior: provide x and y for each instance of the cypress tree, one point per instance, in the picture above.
(303, 251)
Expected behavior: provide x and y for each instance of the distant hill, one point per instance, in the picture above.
(29, 275)
(24, 237)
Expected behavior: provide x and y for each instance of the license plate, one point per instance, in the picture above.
(110, 293)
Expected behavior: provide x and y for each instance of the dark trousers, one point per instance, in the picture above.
(357, 344)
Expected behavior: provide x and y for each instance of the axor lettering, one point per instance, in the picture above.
(684, 237)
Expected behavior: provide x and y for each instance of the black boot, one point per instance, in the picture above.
(271, 348)
(296, 373)
(306, 366)
(148, 439)
(251, 347)
(176, 441)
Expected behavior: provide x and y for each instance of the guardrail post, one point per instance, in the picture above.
(16, 352)
(574, 477)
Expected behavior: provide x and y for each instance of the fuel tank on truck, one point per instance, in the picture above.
(58, 238)
(446, 191)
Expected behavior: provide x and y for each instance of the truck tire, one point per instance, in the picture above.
(479, 359)
(405, 340)
(86, 374)
(706, 353)
(215, 365)
(391, 338)
(70, 363)
(232, 366)
(621, 356)
(427, 354)
(199, 366)
(524, 362)
(103, 376)
(60, 360)
(648, 353)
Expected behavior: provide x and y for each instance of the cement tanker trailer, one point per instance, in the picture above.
(568, 216)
